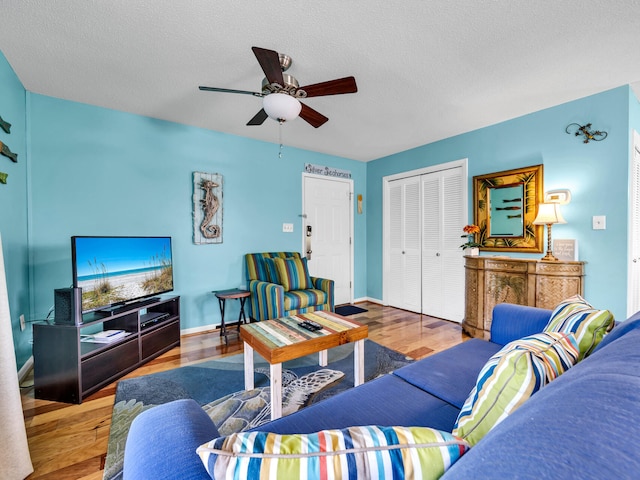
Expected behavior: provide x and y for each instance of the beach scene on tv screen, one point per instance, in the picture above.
(116, 270)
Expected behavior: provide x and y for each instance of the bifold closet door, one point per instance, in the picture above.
(404, 289)
(443, 217)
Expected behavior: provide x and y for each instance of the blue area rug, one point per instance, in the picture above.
(218, 385)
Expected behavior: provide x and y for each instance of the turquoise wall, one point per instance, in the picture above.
(634, 115)
(14, 207)
(96, 171)
(596, 173)
(86, 170)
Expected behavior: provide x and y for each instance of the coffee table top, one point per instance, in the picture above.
(283, 339)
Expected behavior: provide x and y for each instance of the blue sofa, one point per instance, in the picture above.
(581, 425)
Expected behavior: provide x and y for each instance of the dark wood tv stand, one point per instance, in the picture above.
(67, 369)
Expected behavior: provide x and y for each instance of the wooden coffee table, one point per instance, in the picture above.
(283, 339)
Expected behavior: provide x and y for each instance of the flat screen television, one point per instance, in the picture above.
(115, 271)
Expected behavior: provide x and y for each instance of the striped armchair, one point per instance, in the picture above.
(280, 285)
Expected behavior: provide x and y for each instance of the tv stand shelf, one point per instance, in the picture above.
(68, 369)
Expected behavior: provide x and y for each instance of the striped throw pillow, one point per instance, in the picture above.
(271, 271)
(510, 377)
(370, 452)
(293, 273)
(588, 325)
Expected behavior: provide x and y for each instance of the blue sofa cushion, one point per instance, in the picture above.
(511, 322)
(621, 328)
(580, 426)
(162, 442)
(386, 400)
(450, 375)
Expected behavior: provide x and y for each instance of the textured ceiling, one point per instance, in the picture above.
(426, 70)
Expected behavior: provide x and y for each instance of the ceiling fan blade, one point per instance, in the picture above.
(312, 117)
(259, 118)
(269, 60)
(332, 87)
(230, 90)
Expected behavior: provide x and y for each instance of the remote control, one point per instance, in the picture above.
(315, 325)
(311, 326)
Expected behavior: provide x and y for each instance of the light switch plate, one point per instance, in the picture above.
(287, 227)
(599, 222)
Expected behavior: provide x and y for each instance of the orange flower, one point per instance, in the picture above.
(471, 229)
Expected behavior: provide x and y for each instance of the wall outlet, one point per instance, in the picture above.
(599, 222)
(287, 227)
(22, 323)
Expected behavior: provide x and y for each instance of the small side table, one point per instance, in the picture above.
(223, 296)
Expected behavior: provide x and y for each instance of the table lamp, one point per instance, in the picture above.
(548, 214)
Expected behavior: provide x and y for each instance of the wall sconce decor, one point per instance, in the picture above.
(560, 196)
(585, 130)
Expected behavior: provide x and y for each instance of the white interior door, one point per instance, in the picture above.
(327, 207)
(404, 263)
(633, 295)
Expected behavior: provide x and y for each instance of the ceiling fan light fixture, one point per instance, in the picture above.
(281, 107)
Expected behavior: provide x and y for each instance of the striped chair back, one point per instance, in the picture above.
(256, 269)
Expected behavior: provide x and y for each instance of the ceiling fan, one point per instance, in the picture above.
(281, 92)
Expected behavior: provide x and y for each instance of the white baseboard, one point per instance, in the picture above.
(195, 330)
(26, 368)
(368, 299)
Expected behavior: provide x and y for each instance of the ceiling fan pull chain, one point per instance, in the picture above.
(280, 137)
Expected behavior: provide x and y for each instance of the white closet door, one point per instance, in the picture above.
(443, 217)
(404, 244)
(633, 302)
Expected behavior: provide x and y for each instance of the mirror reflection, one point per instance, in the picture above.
(506, 210)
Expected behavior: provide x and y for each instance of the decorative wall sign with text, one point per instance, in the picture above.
(326, 171)
(565, 249)
(207, 208)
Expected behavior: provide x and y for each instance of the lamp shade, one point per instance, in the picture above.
(548, 213)
(281, 107)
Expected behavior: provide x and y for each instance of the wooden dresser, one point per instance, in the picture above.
(493, 280)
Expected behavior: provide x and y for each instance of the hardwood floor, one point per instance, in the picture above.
(70, 441)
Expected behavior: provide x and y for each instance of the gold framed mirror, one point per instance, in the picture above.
(505, 205)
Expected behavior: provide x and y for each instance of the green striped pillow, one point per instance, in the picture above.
(589, 325)
(371, 452)
(271, 271)
(293, 273)
(510, 377)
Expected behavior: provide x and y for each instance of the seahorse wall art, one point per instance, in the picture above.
(207, 208)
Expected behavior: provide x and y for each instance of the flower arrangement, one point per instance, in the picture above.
(470, 234)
